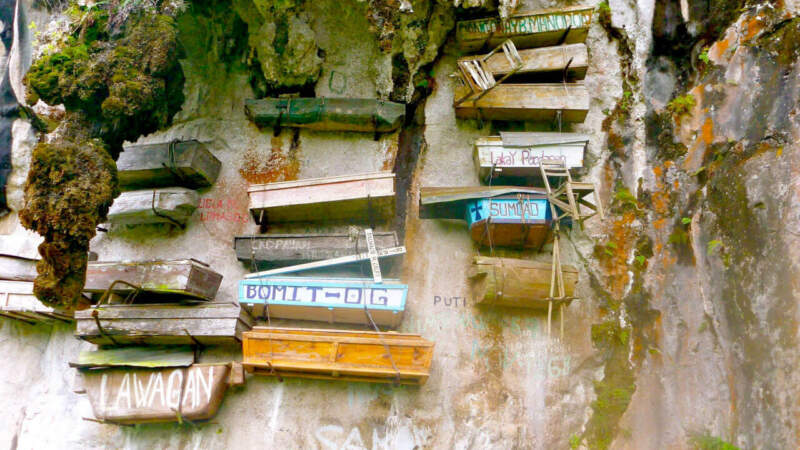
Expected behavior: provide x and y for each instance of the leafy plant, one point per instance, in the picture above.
(640, 259)
(574, 441)
(708, 442)
(703, 56)
(681, 105)
(713, 244)
(686, 220)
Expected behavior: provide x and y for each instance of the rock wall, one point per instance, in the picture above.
(685, 333)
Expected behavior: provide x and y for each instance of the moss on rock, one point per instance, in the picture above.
(115, 87)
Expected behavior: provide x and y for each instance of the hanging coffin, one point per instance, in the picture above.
(340, 300)
(135, 385)
(516, 282)
(167, 205)
(328, 114)
(180, 278)
(17, 268)
(187, 163)
(521, 154)
(573, 58)
(357, 197)
(163, 324)
(533, 102)
(273, 250)
(18, 302)
(500, 216)
(338, 355)
(527, 29)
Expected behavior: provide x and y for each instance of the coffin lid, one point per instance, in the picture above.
(450, 202)
(149, 357)
(532, 139)
(318, 181)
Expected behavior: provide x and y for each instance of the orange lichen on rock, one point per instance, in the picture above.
(258, 168)
(707, 131)
(621, 240)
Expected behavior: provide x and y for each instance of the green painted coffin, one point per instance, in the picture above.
(328, 114)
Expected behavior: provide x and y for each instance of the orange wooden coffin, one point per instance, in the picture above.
(338, 355)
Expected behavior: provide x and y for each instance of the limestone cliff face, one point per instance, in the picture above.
(686, 331)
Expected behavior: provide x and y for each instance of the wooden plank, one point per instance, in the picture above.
(18, 302)
(520, 221)
(384, 252)
(516, 282)
(208, 324)
(291, 249)
(451, 202)
(527, 29)
(133, 396)
(151, 357)
(328, 114)
(149, 206)
(339, 300)
(533, 102)
(358, 356)
(354, 197)
(186, 277)
(541, 60)
(186, 163)
(17, 268)
(520, 154)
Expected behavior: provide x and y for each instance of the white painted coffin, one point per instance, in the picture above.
(17, 268)
(18, 302)
(322, 199)
(519, 154)
(149, 206)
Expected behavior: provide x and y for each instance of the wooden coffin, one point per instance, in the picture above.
(532, 102)
(165, 387)
(572, 57)
(338, 355)
(503, 216)
(527, 29)
(329, 114)
(166, 205)
(516, 282)
(274, 250)
(520, 154)
(340, 300)
(163, 324)
(17, 268)
(186, 163)
(180, 278)
(18, 302)
(356, 197)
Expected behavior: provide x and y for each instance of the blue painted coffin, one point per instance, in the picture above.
(339, 300)
(509, 221)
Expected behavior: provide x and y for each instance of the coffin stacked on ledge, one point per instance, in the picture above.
(133, 385)
(327, 114)
(541, 84)
(158, 180)
(16, 293)
(158, 302)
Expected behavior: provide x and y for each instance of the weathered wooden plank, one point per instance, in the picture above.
(163, 324)
(165, 205)
(340, 300)
(338, 355)
(541, 60)
(520, 154)
(150, 357)
(132, 396)
(533, 102)
(330, 114)
(327, 263)
(527, 29)
(184, 163)
(356, 197)
(451, 202)
(516, 282)
(18, 302)
(186, 277)
(17, 268)
(291, 249)
(521, 221)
